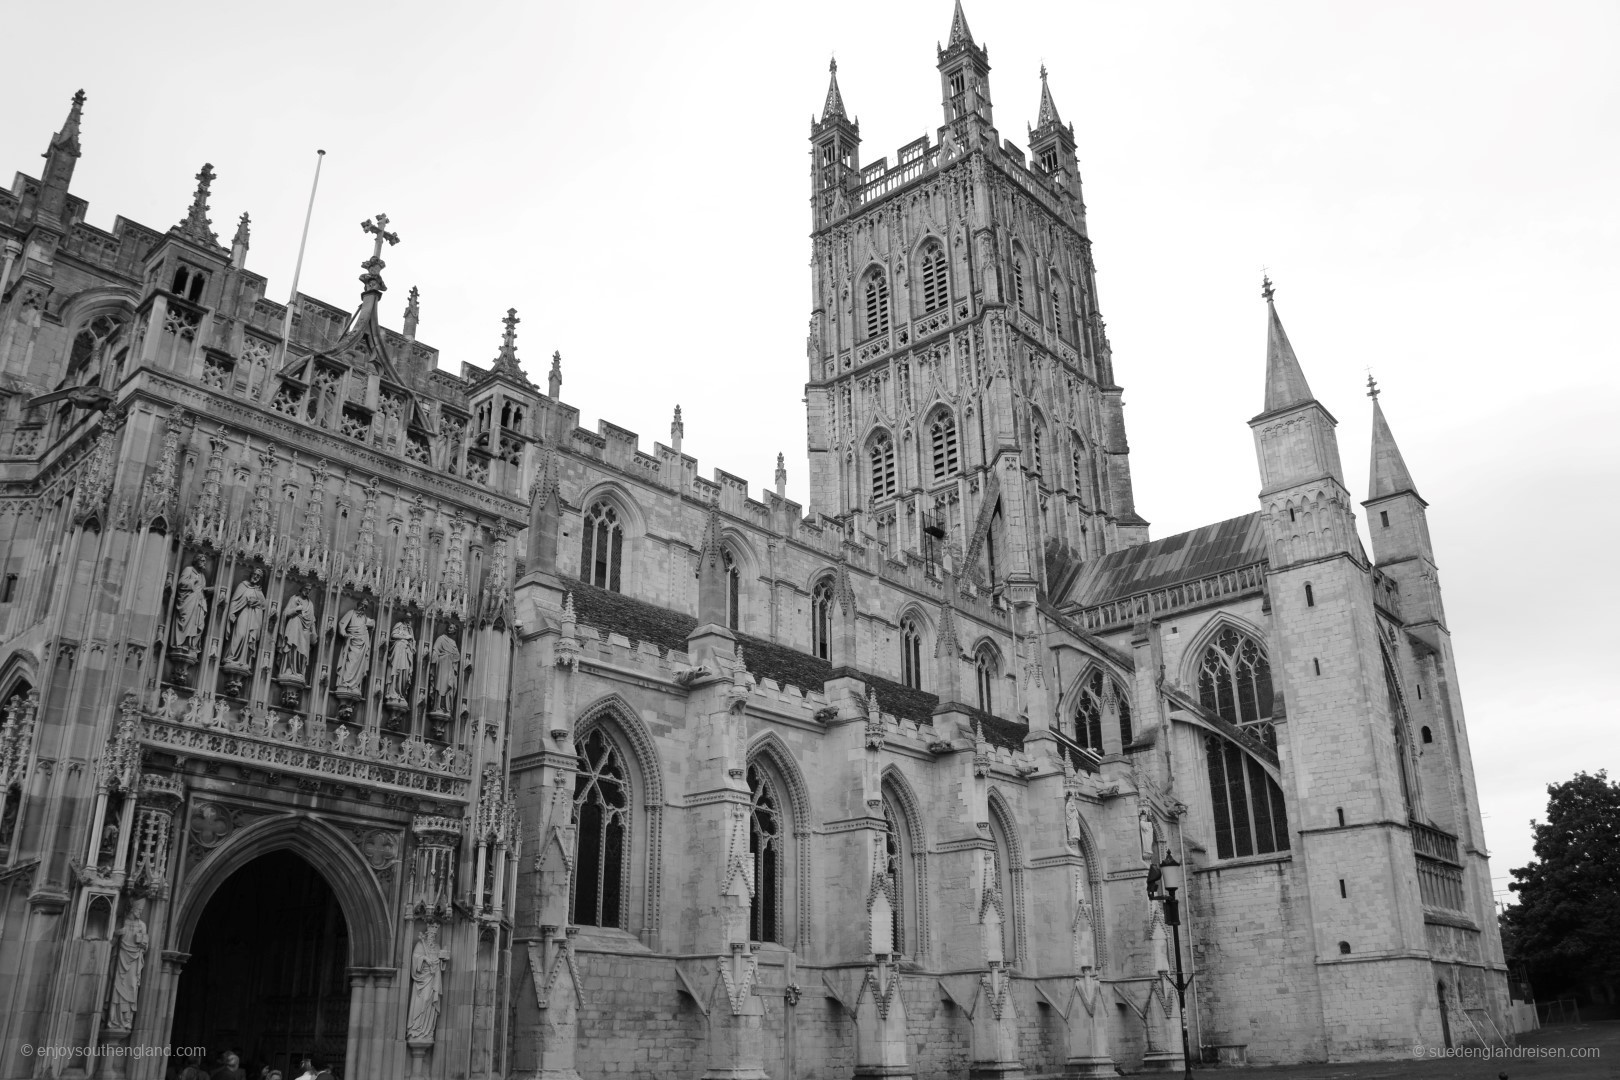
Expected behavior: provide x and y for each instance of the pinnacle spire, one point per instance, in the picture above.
(506, 362)
(1048, 113)
(68, 138)
(1388, 474)
(554, 380)
(834, 108)
(243, 232)
(196, 226)
(959, 28)
(1285, 380)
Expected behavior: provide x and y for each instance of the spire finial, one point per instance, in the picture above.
(781, 475)
(68, 138)
(959, 28)
(372, 280)
(1043, 71)
(555, 379)
(509, 338)
(677, 430)
(243, 231)
(1267, 289)
(196, 225)
(413, 312)
(1048, 113)
(1372, 385)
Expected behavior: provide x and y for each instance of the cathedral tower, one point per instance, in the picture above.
(960, 382)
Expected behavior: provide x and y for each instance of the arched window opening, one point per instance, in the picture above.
(1125, 732)
(987, 669)
(1056, 294)
(1037, 438)
(602, 547)
(911, 653)
(733, 591)
(1248, 805)
(1077, 462)
(1428, 736)
(821, 601)
(1234, 680)
(1018, 282)
(884, 483)
(1002, 852)
(765, 847)
(877, 304)
(942, 437)
(935, 282)
(894, 866)
(602, 841)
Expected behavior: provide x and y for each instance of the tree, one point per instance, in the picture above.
(1565, 929)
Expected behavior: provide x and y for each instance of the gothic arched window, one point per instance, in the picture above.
(733, 591)
(1091, 710)
(987, 669)
(601, 547)
(1234, 680)
(1018, 280)
(1037, 438)
(884, 484)
(1403, 740)
(602, 843)
(894, 865)
(1056, 295)
(935, 280)
(821, 601)
(1250, 818)
(911, 653)
(942, 438)
(876, 296)
(1077, 462)
(767, 847)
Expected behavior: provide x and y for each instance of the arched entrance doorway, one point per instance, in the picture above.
(268, 970)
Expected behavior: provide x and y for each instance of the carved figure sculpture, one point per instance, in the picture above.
(445, 675)
(128, 966)
(297, 636)
(1071, 815)
(427, 985)
(1144, 825)
(354, 658)
(246, 620)
(190, 609)
(401, 664)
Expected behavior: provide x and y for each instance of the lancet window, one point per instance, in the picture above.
(767, 845)
(884, 483)
(821, 601)
(1247, 804)
(602, 547)
(987, 668)
(876, 296)
(935, 280)
(911, 653)
(733, 591)
(942, 439)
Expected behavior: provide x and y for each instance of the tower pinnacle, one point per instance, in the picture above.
(67, 140)
(960, 33)
(195, 226)
(1388, 474)
(1048, 113)
(834, 108)
(1285, 380)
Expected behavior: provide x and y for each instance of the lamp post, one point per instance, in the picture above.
(1171, 880)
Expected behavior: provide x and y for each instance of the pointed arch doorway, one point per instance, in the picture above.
(267, 976)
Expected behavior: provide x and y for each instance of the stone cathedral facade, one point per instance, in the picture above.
(359, 708)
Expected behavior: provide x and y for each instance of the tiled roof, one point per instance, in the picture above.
(1186, 556)
(640, 621)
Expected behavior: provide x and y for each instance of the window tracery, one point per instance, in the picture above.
(602, 814)
(766, 847)
(821, 600)
(1234, 680)
(911, 653)
(602, 547)
(881, 456)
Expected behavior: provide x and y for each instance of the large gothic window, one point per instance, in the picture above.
(821, 601)
(942, 439)
(911, 653)
(935, 281)
(876, 296)
(602, 843)
(767, 848)
(884, 484)
(1234, 680)
(1090, 711)
(1403, 741)
(1248, 805)
(987, 668)
(894, 865)
(602, 546)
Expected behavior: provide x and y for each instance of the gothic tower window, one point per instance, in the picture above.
(821, 601)
(1248, 805)
(896, 843)
(602, 842)
(602, 547)
(1037, 439)
(733, 591)
(766, 848)
(1077, 461)
(911, 653)
(942, 438)
(1234, 680)
(884, 484)
(935, 280)
(1019, 295)
(1056, 294)
(987, 668)
(876, 294)
(1125, 733)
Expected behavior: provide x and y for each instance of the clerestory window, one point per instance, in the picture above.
(911, 653)
(821, 601)
(602, 547)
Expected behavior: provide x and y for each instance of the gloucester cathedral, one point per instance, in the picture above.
(362, 706)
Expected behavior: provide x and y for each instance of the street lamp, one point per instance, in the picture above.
(1171, 880)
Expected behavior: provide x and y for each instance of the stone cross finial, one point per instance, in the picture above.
(1372, 385)
(379, 228)
(509, 338)
(1267, 290)
(196, 225)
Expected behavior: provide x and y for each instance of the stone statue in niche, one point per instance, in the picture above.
(444, 676)
(354, 654)
(190, 610)
(297, 638)
(129, 963)
(401, 666)
(246, 615)
(1071, 817)
(428, 962)
(1144, 825)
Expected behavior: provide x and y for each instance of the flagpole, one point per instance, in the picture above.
(298, 267)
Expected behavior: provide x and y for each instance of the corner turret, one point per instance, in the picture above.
(1397, 519)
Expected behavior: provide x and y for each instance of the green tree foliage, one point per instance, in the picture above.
(1565, 929)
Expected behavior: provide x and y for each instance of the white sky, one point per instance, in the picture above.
(1432, 186)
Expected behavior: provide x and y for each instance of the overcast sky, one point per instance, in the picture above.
(1431, 185)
